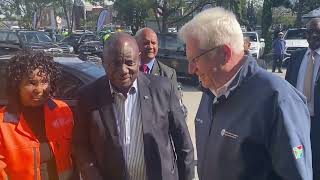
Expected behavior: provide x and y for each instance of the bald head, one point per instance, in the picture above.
(143, 32)
(313, 33)
(118, 41)
(148, 44)
(121, 61)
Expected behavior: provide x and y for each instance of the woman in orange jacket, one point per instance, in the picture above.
(35, 129)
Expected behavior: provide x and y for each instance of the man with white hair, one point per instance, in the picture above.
(251, 124)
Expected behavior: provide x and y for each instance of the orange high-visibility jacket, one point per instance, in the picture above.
(19, 148)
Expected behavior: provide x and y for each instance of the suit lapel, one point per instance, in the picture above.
(297, 67)
(145, 101)
(109, 120)
(106, 110)
(147, 117)
(155, 69)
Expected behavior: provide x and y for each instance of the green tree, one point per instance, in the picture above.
(169, 12)
(251, 15)
(132, 12)
(267, 19)
(302, 7)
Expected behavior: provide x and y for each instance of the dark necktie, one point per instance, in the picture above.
(144, 69)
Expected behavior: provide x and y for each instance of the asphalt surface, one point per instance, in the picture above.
(191, 99)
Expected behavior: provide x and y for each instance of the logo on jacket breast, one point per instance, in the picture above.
(61, 122)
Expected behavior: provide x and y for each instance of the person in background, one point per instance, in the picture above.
(279, 47)
(149, 46)
(251, 124)
(303, 73)
(35, 129)
(246, 46)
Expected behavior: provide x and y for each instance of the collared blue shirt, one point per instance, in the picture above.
(150, 65)
(279, 46)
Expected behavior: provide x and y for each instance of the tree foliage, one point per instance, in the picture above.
(132, 12)
(24, 9)
(302, 7)
(267, 19)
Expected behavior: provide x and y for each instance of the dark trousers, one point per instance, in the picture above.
(277, 62)
(315, 147)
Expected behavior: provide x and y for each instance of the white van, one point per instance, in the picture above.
(295, 39)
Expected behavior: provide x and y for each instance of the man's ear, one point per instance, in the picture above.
(227, 53)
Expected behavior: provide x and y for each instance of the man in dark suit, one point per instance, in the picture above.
(303, 73)
(148, 44)
(130, 125)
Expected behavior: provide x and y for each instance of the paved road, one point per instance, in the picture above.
(191, 99)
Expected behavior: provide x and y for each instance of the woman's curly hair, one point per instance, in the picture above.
(23, 64)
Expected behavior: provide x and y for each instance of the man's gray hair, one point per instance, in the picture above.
(214, 27)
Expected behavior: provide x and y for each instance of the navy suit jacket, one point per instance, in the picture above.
(292, 77)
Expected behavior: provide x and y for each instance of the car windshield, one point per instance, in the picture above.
(72, 38)
(170, 42)
(88, 68)
(252, 36)
(296, 34)
(90, 38)
(34, 37)
(8, 37)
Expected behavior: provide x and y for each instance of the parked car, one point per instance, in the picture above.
(91, 48)
(59, 37)
(295, 39)
(257, 44)
(77, 39)
(8, 49)
(33, 40)
(172, 53)
(75, 73)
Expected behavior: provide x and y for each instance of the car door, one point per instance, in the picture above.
(3, 98)
(67, 88)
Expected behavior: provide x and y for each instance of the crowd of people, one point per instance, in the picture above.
(131, 123)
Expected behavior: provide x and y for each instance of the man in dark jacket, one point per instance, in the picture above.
(251, 124)
(130, 125)
(303, 73)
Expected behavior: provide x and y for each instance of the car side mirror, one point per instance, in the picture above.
(261, 40)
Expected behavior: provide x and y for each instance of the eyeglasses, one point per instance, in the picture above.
(195, 59)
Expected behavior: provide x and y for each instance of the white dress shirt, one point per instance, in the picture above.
(302, 73)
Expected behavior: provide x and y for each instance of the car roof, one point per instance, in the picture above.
(295, 29)
(250, 32)
(29, 31)
(88, 70)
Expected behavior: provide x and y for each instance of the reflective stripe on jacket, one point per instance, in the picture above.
(19, 147)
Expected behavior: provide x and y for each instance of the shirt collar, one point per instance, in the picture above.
(317, 51)
(150, 64)
(132, 90)
(15, 118)
(228, 87)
